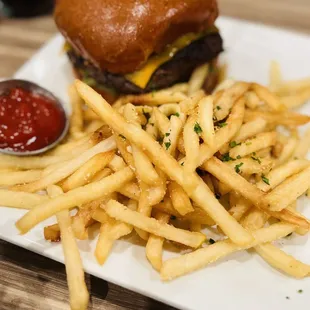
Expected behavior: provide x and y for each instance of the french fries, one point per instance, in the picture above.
(197, 79)
(287, 192)
(154, 245)
(191, 145)
(19, 177)
(268, 97)
(286, 118)
(279, 174)
(151, 225)
(180, 201)
(76, 122)
(275, 76)
(20, 200)
(144, 168)
(74, 197)
(224, 134)
(33, 162)
(68, 167)
(163, 166)
(85, 173)
(79, 295)
(202, 195)
(247, 190)
(109, 232)
(250, 146)
(303, 146)
(52, 233)
(282, 261)
(239, 207)
(205, 120)
(187, 263)
(198, 215)
(155, 98)
(228, 98)
(172, 136)
(251, 165)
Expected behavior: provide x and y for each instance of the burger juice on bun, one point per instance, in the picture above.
(137, 46)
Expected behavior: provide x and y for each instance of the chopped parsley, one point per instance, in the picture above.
(226, 157)
(167, 145)
(175, 114)
(238, 157)
(300, 291)
(222, 124)
(172, 217)
(233, 144)
(248, 143)
(256, 159)
(197, 128)
(123, 137)
(211, 241)
(167, 134)
(218, 107)
(237, 167)
(265, 180)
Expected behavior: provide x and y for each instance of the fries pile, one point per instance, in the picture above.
(166, 165)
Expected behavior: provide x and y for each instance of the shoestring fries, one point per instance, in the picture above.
(79, 295)
(152, 163)
(76, 121)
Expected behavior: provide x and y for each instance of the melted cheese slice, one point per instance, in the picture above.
(142, 76)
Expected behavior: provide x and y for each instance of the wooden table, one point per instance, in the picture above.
(30, 281)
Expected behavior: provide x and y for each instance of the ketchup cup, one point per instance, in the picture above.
(32, 119)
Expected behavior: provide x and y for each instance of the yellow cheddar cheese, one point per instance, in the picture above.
(142, 76)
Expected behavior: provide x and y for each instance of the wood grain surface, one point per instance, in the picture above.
(31, 282)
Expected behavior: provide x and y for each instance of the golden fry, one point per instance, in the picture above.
(287, 192)
(76, 121)
(261, 141)
(154, 245)
(205, 120)
(197, 79)
(85, 173)
(268, 97)
(228, 98)
(151, 225)
(179, 198)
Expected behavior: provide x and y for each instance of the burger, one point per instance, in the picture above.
(137, 46)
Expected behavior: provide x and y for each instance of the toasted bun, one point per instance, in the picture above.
(120, 35)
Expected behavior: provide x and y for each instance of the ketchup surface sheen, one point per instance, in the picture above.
(29, 121)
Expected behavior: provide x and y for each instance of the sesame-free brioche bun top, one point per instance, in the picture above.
(120, 35)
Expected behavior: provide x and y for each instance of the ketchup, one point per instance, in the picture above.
(29, 121)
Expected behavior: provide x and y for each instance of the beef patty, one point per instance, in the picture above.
(178, 69)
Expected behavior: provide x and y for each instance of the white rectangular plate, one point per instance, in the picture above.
(241, 281)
